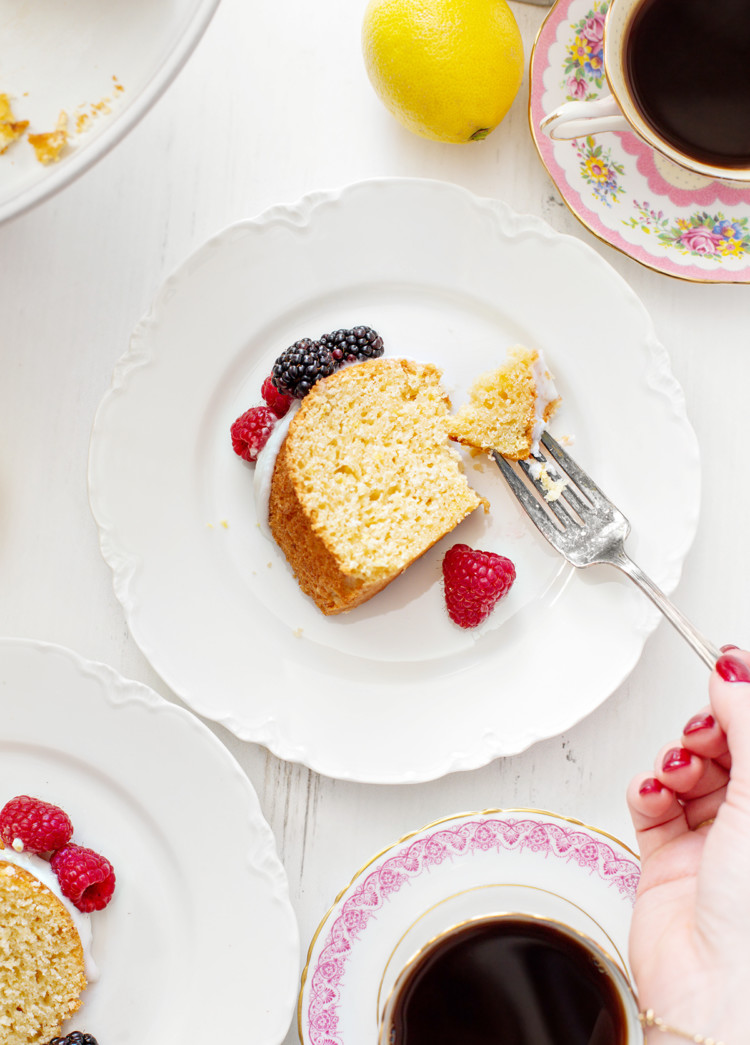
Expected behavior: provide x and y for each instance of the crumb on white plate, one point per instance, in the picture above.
(49, 146)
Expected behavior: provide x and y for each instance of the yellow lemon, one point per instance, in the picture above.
(447, 69)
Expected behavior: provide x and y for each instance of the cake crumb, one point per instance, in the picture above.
(225, 524)
(85, 115)
(49, 146)
(297, 633)
(553, 487)
(10, 128)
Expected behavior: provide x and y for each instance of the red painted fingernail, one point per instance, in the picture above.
(699, 722)
(726, 649)
(676, 758)
(732, 669)
(651, 786)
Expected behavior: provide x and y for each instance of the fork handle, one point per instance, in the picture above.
(705, 650)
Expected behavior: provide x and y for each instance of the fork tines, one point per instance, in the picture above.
(586, 528)
(582, 480)
(579, 502)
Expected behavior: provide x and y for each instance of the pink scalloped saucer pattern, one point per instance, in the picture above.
(402, 866)
(612, 183)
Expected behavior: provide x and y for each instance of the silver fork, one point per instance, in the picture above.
(593, 532)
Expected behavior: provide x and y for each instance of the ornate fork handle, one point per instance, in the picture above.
(705, 650)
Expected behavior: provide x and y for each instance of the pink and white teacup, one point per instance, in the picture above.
(678, 73)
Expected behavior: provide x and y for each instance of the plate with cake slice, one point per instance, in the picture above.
(143, 898)
(299, 596)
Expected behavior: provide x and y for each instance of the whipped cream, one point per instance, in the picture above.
(41, 869)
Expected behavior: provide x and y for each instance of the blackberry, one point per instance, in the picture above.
(353, 346)
(76, 1037)
(305, 362)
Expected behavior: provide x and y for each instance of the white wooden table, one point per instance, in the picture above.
(273, 104)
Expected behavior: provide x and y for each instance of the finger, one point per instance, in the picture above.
(687, 774)
(729, 690)
(701, 811)
(657, 815)
(678, 768)
(703, 735)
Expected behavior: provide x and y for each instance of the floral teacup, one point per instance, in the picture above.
(605, 40)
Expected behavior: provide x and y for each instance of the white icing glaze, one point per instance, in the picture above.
(265, 465)
(546, 393)
(41, 869)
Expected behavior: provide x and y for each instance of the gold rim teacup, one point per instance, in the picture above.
(617, 111)
(633, 1029)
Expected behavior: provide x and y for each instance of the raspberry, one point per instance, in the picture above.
(250, 432)
(277, 401)
(353, 346)
(75, 1037)
(474, 582)
(301, 365)
(33, 825)
(85, 877)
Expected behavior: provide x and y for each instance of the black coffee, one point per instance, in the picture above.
(508, 982)
(688, 67)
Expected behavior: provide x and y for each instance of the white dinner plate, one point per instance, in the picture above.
(391, 691)
(199, 942)
(472, 865)
(103, 64)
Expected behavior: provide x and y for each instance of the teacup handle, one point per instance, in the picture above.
(578, 119)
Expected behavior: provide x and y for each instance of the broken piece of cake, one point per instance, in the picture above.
(508, 407)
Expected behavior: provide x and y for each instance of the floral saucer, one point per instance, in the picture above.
(466, 866)
(616, 185)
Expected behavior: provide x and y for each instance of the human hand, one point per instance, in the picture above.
(690, 934)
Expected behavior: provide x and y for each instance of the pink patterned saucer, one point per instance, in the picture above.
(464, 866)
(616, 185)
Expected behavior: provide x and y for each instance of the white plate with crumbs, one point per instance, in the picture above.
(101, 65)
(391, 692)
(199, 939)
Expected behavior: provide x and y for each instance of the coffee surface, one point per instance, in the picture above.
(508, 982)
(688, 67)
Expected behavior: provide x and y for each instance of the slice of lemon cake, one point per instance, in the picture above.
(508, 407)
(41, 958)
(366, 480)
